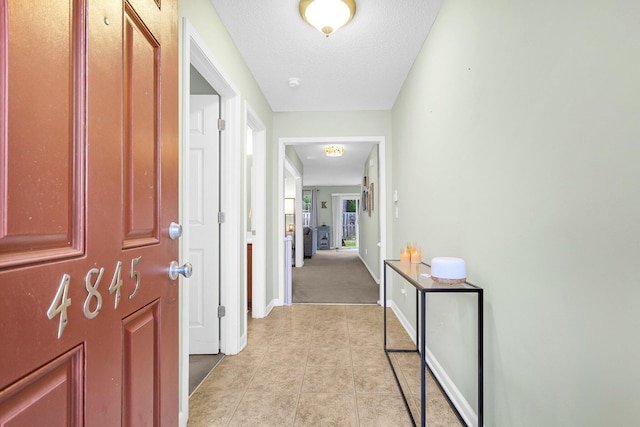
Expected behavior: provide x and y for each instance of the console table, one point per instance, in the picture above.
(415, 275)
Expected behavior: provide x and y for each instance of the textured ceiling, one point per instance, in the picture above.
(321, 170)
(362, 66)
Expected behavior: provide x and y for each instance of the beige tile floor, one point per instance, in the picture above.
(317, 365)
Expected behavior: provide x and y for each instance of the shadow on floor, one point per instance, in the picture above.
(200, 365)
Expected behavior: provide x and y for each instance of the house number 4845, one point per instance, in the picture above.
(92, 279)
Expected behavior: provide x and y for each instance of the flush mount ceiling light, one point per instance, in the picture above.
(327, 15)
(334, 150)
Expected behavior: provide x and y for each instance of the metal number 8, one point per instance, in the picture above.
(92, 292)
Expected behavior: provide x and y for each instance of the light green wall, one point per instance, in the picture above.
(332, 123)
(207, 24)
(370, 222)
(294, 159)
(516, 147)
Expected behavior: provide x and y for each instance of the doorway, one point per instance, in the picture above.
(255, 216)
(348, 222)
(378, 247)
(196, 54)
(201, 189)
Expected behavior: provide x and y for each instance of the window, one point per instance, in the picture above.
(306, 207)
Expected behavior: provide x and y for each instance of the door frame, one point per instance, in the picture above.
(297, 218)
(196, 53)
(382, 210)
(259, 196)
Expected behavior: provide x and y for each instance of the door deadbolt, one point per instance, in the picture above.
(175, 230)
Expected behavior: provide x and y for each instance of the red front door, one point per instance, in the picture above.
(88, 188)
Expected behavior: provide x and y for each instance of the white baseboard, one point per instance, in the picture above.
(259, 315)
(370, 272)
(243, 341)
(464, 408)
(270, 307)
(403, 320)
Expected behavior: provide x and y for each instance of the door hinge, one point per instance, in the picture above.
(220, 217)
(221, 311)
(221, 124)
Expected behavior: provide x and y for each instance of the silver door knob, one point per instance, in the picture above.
(175, 230)
(175, 269)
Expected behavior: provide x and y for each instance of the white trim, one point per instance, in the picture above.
(196, 53)
(183, 339)
(270, 307)
(382, 211)
(403, 320)
(373, 276)
(464, 408)
(457, 398)
(299, 243)
(382, 191)
(243, 340)
(277, 299)
(259, 196)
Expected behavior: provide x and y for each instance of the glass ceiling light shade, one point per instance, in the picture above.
(334, 150)
(289, 206)
(327, 15)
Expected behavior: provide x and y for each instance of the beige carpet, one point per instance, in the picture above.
(334, 277)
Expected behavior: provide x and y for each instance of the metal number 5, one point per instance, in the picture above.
(135, 273)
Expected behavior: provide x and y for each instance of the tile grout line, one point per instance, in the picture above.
(358, 325)
(353, 376)
(304, 373)
(259, 365)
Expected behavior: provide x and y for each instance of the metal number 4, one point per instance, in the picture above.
(116, 284)
(60, 303)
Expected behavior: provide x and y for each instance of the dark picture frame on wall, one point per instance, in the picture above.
(364, 202)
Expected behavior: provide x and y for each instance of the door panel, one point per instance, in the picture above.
(142, 148)
(202, 211)
(36, 399)
(141, 346)
(89, 187)
(42, 164)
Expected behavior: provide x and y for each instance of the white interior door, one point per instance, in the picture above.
(203, 228)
